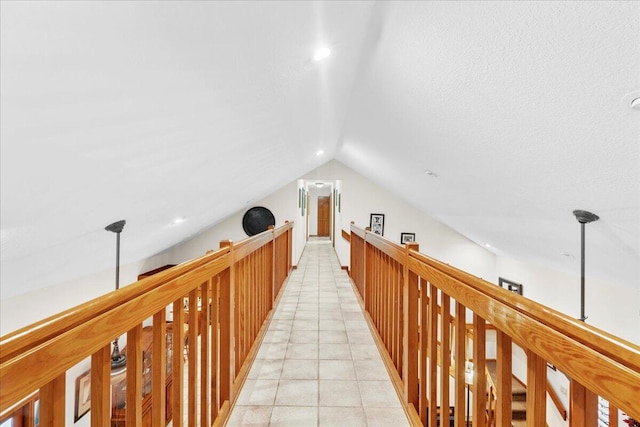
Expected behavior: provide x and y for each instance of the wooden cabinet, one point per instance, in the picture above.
(118, 414)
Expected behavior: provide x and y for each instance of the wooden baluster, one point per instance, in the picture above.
(159, 368)
(504, 368)
(101, 386)
(134, 376)
(536, 390)
(410, 333)
(461, 357)
(227, 329)
(204, 353)
(613, 415)
(433, 355)
(424, 343)
(583, 406)
(479, 377)
(445, 356)
(192, 357)
(215, 387)
(177, 365)
(52, 400)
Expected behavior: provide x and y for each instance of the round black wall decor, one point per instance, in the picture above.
(256, 220)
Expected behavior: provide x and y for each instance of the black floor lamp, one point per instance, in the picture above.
(583, 218)
(118, 360)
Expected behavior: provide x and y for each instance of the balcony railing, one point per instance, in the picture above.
(409, 297)
(239, 281)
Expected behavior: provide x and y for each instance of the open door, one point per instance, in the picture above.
(324, 213)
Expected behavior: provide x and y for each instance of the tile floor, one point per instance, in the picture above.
(318, 364)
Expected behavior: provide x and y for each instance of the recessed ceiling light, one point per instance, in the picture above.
(179, 220)
(635, 104)
(487, 245)
(319, 184)
(321, 53)
(431, 173)
(319, 153)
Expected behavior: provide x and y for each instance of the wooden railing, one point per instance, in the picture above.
(240, 282)
(432, 294)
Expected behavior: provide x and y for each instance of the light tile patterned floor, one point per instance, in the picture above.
(318, 364)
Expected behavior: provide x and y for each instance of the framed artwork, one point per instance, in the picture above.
(83, 395)
(510, 285)
(376, 223)
(407, 237)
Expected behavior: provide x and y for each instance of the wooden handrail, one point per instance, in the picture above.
(606, 365)
(346, 236)
(32, 335)
(47, 349)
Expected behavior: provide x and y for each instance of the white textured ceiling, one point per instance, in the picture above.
(148, 108)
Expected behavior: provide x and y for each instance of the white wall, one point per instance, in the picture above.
(22, 310)
(608, 306)
(283, 204)
(360, 198)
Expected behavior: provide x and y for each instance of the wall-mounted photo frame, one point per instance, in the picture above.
(376, 222)
(407, 237)
(510, 285)
(83, 395)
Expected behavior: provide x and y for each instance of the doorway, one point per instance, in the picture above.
(324, 216)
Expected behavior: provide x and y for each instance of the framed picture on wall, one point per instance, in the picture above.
(83, 395)
(407, 237)
(376, 222)
(510, 285)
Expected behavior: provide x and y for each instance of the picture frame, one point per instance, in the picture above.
(407, 238)
(83, 395)
(510, 285)
(376, 222)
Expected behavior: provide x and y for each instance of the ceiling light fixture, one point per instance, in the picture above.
(179, 220)
(321, 53)
(431, 173)
(487, 245)
(635, 104)
(319, 184)
(319, 153)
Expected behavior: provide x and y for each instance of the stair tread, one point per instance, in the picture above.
(517, 389)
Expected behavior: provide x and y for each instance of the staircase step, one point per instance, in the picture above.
(519, 410)
(518, 391)
(519, 423)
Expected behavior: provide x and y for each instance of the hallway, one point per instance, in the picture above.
(318, 364)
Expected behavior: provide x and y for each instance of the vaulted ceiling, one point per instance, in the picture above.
(521, 109)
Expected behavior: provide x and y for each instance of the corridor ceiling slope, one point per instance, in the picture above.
(152, 111)
(521, 110)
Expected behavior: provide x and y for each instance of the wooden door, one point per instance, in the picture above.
(324, 204)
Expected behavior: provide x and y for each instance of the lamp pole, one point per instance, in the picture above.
(583, 218)
(118, 360)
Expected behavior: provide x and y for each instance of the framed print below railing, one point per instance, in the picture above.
(407, 237)
(83, 395)
(511, 286)
(376, 223)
